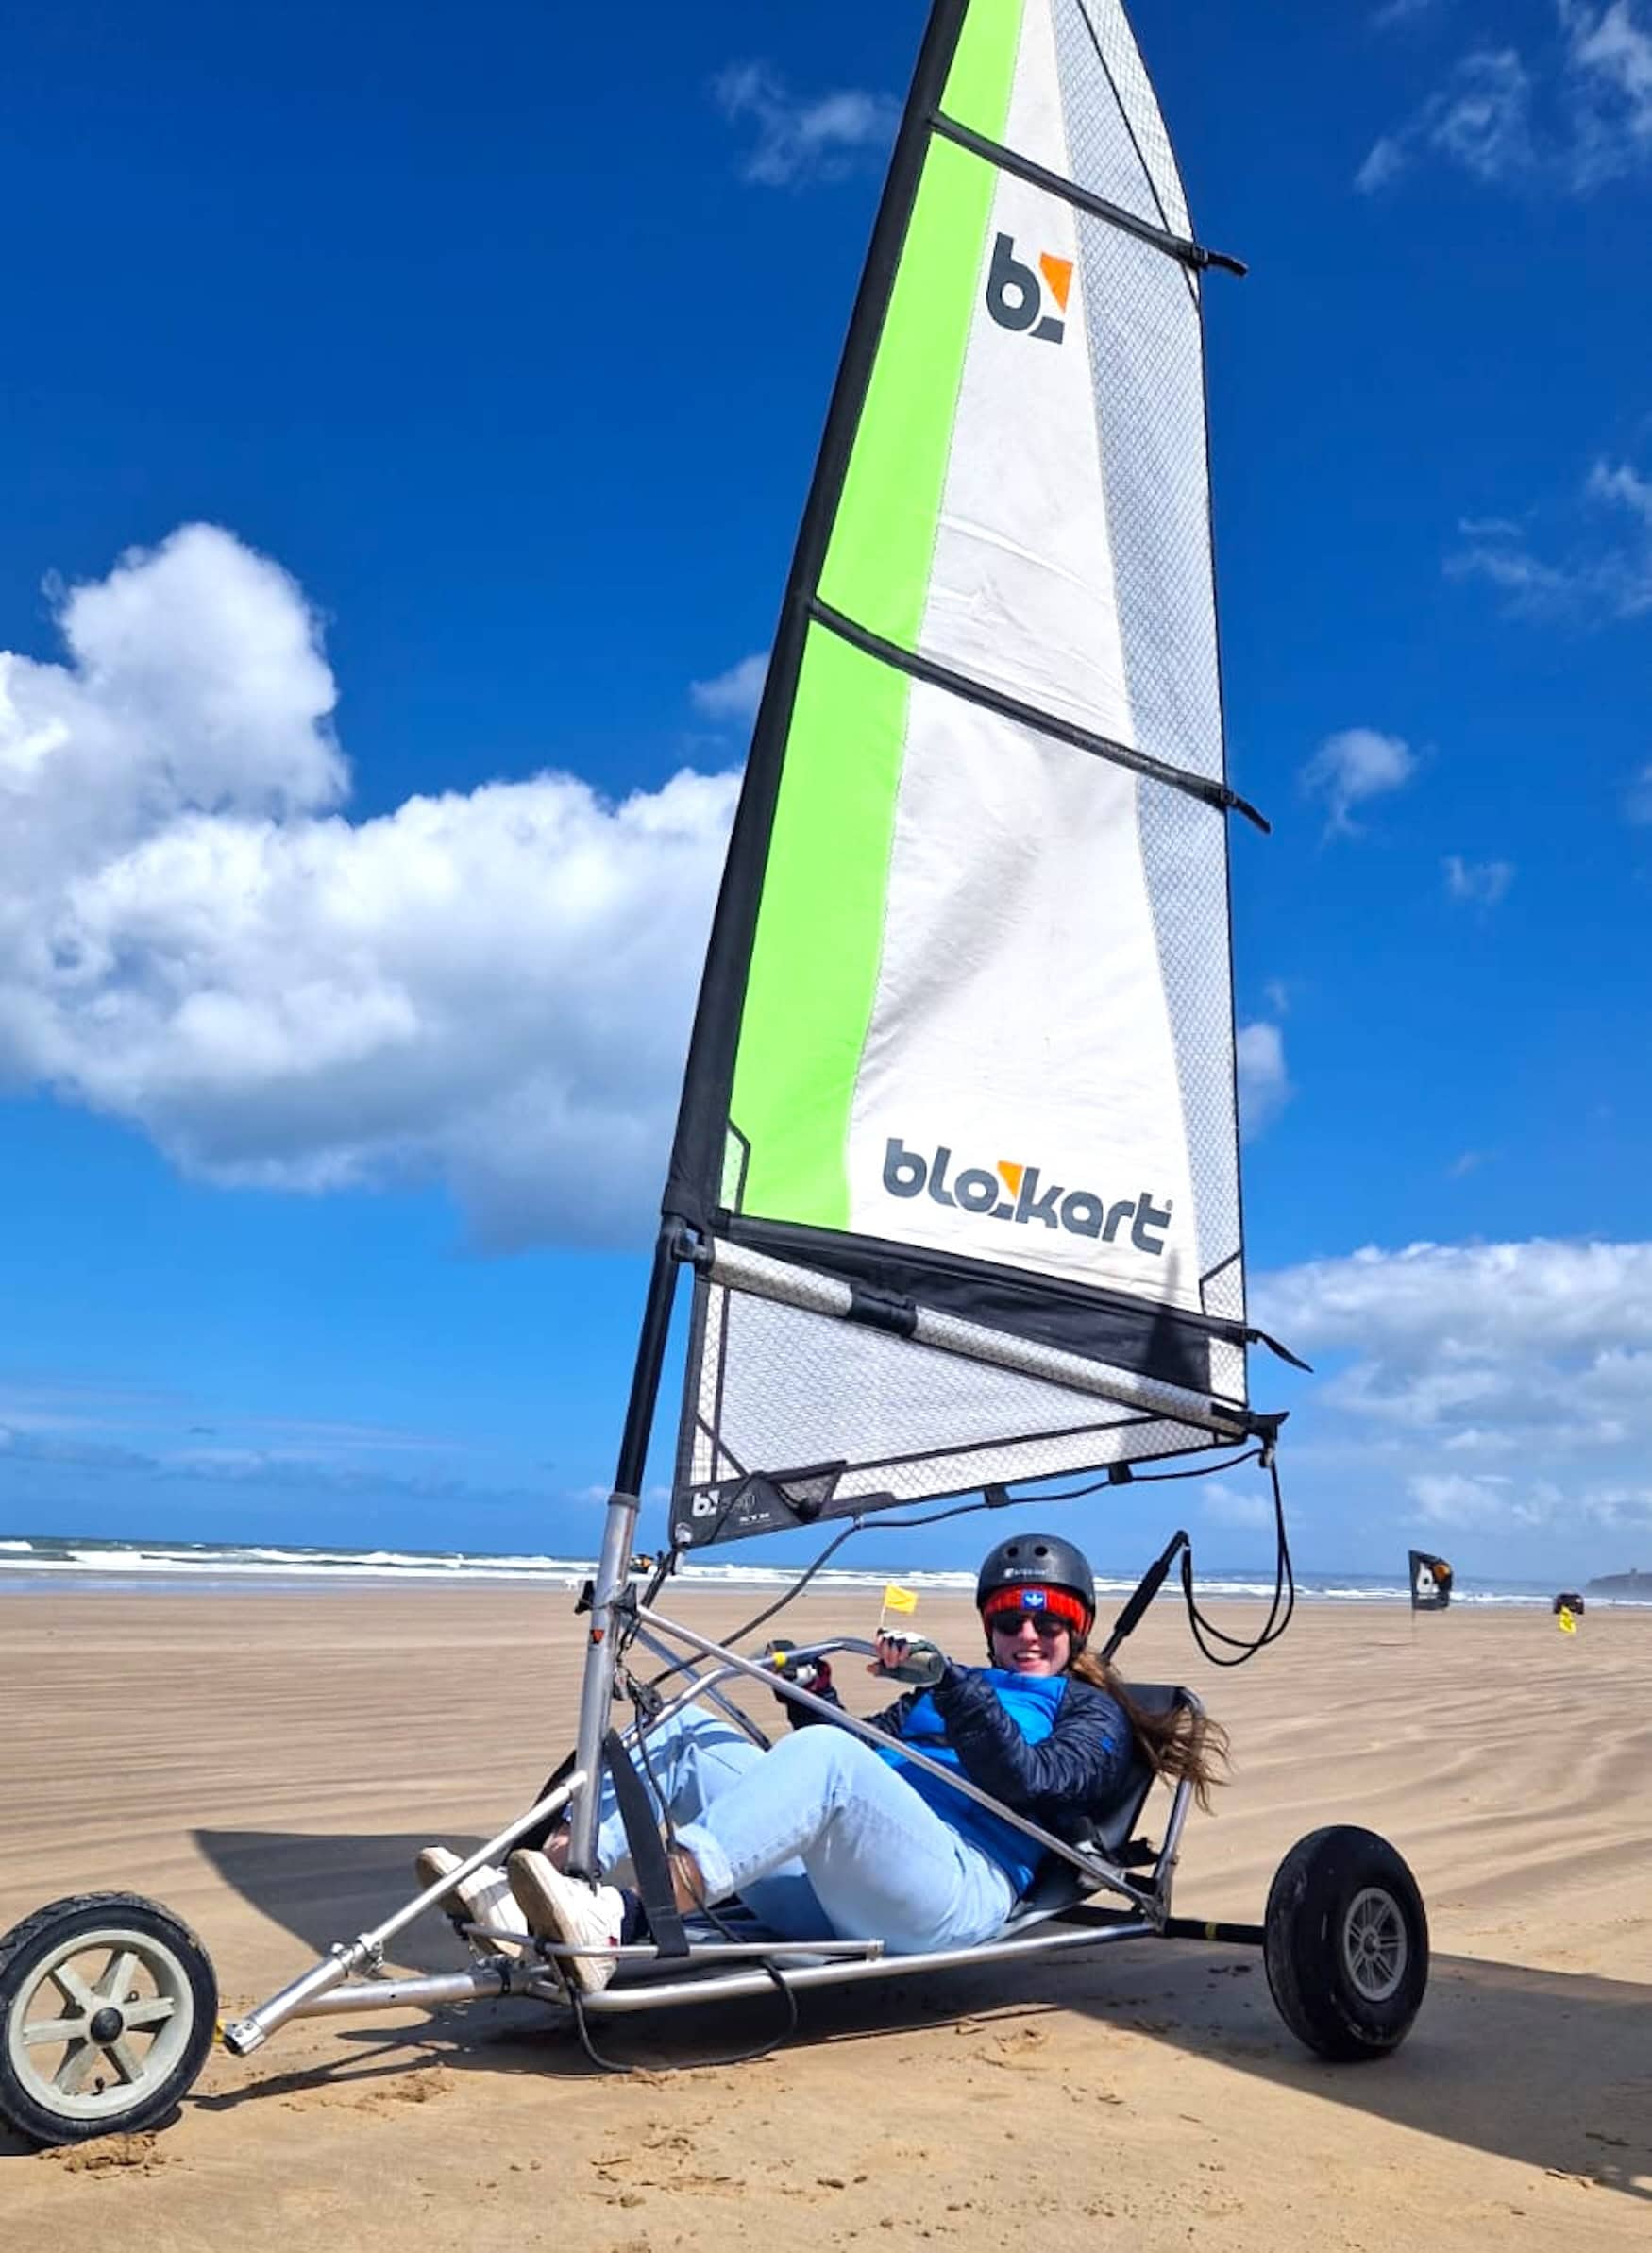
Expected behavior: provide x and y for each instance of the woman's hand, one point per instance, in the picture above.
(808, 1674)
(908, 1658)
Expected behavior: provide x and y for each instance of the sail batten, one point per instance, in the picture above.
(1048, 724)
(1181, 247)
(958, 1137)
(820, 1294)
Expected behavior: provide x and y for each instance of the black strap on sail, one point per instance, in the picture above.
(648, 1852)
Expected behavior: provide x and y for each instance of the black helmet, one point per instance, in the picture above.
(1038, 1559)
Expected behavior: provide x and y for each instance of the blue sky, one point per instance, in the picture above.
(406, 420)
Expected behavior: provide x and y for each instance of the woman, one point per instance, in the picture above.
(825, 1834)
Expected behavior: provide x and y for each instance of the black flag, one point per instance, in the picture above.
(1430, 1582)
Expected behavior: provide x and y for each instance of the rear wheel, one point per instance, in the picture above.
(107, 2006)
(1346, 1944)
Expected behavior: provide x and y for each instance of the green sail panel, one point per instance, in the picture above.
(815, 962)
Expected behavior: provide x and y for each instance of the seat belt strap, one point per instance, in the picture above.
(647, 1851)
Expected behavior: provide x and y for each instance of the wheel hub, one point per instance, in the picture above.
(1374, 1944)
(107, 2025)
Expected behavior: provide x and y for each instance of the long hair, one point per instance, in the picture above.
(1178, 1744)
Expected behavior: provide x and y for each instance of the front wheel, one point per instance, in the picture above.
(107, 2006)
(1346, 1944)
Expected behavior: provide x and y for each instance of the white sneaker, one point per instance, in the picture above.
(482, 1898)
(568, 1910)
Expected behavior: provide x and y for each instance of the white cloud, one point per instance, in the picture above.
(1539, 1293)
(1481, 882)
(1575, 118)
(1480, 120)
(1353, 767)
(734, 695)
(1532, 587)
(490, 990)
(1264, 1084)
(1622, 486)
(1227, 1505)
(1526, 1365)
(799, 141)
(1639, 804)
(1450, 1500)
(1385, 161)
(1608, 572)
(1609, 60)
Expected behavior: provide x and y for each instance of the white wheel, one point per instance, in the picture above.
(107, 2006)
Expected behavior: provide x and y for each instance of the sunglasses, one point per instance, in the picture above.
(1011, 1623)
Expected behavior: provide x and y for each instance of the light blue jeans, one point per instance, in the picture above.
(818, 1837)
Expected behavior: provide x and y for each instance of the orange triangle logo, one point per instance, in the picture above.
(1012, 1176)
(1057, 272)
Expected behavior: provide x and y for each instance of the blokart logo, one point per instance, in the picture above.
(1015, 295)
(1017, 1194)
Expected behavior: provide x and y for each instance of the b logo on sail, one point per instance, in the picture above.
(1015, 295)
(1017, 1192)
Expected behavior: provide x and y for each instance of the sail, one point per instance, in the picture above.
(1431, 1579)
(957, 1147)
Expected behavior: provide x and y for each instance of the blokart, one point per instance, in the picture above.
(108, 2002)
(957, 1164)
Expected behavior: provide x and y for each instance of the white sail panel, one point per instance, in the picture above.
(1018, 1099)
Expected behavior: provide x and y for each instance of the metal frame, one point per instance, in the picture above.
(647, 1981)
(347, 1978)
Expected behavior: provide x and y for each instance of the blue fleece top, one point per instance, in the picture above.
(1030, 1701)
(1050, 1746)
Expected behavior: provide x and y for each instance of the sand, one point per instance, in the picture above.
(267, 1764)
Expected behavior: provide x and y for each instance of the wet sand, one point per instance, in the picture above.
(267, 1764)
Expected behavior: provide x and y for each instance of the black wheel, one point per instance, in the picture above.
(1346, 1944)
(106, 2009)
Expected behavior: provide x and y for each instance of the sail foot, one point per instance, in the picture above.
(786, 1369)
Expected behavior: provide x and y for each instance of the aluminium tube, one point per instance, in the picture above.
(618, 1537)
(407, 1994)
(596, 1682)
(300, 1996)
(647, 1995)
(740, 1269)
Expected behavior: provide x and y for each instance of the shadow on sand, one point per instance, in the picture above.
(1580, 2104)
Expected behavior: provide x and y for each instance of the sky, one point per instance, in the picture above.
(406, 422)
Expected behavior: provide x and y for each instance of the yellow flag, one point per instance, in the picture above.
(899, 1600)
(1567, 1624)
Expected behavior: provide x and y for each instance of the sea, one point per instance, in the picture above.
(38, 1561)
